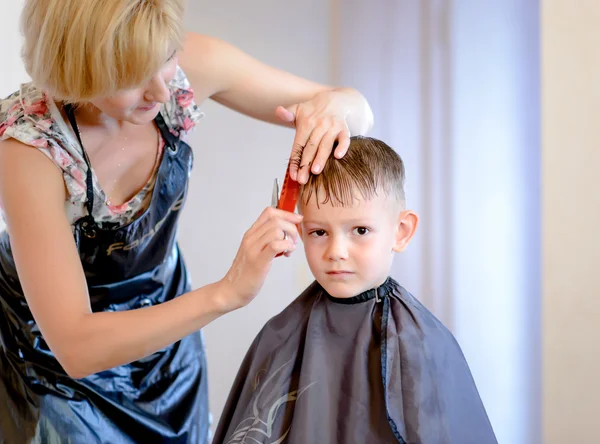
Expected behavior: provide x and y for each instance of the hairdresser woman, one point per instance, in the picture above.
(99, 327)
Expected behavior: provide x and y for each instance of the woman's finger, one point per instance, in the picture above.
(274, 230)
(343, 143)
(285, 245)
(274, 227)
(286, 115)
(324, 151)
(309, 152)
(270, 213)
(275, 248)
(304, 130)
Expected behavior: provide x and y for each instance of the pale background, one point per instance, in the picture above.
(502, 167)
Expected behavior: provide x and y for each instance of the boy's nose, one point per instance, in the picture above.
(337, 249)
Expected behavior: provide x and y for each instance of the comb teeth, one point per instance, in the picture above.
(290, 192)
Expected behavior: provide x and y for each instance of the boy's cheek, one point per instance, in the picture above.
(312, 253)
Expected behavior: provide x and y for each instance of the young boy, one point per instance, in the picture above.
(355, 358)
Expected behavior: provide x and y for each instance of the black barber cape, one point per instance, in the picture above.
(375, 368)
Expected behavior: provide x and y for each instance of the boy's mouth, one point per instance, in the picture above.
(338, 273)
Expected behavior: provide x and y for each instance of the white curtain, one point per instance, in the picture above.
(454, 87)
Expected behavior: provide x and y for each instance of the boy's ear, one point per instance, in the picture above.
(407, 226)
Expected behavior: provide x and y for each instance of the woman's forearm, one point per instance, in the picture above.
(109, 339)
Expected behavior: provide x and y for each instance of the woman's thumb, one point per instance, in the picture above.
(287, 115)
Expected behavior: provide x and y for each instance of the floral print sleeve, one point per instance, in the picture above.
(32, 118)
(181, 112)
(26, 116)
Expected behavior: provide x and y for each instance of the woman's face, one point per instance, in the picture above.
(140, 105)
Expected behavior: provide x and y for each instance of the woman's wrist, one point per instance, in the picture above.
(359, 116)
(220, 296)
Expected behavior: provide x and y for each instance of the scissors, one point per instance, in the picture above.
(275, 194)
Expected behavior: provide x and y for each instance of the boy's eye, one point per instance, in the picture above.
(318, 233)
(361, 231)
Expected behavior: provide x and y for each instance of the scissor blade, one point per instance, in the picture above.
(275, 194)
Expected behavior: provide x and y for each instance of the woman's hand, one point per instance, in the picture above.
(274, 232)
(330, 116)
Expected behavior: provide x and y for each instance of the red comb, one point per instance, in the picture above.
(290, 192)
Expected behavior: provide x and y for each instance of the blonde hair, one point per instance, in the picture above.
(79, 50)
(370, 166)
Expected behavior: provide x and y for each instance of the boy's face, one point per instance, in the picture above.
(350, 249)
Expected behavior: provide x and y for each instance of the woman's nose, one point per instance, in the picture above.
(157, 90)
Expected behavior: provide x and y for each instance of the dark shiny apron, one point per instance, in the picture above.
(159, 399)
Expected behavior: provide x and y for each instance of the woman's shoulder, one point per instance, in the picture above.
(30, 117)
(25, 115)
(181, 111)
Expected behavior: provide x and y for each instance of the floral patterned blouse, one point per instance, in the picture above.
(32, 117)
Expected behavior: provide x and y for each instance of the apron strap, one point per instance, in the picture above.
(89, 201)
(166, 133)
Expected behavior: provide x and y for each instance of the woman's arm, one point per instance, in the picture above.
(32, 194)
(321, 114)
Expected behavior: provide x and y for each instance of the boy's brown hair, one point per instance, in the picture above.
(369, 167)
